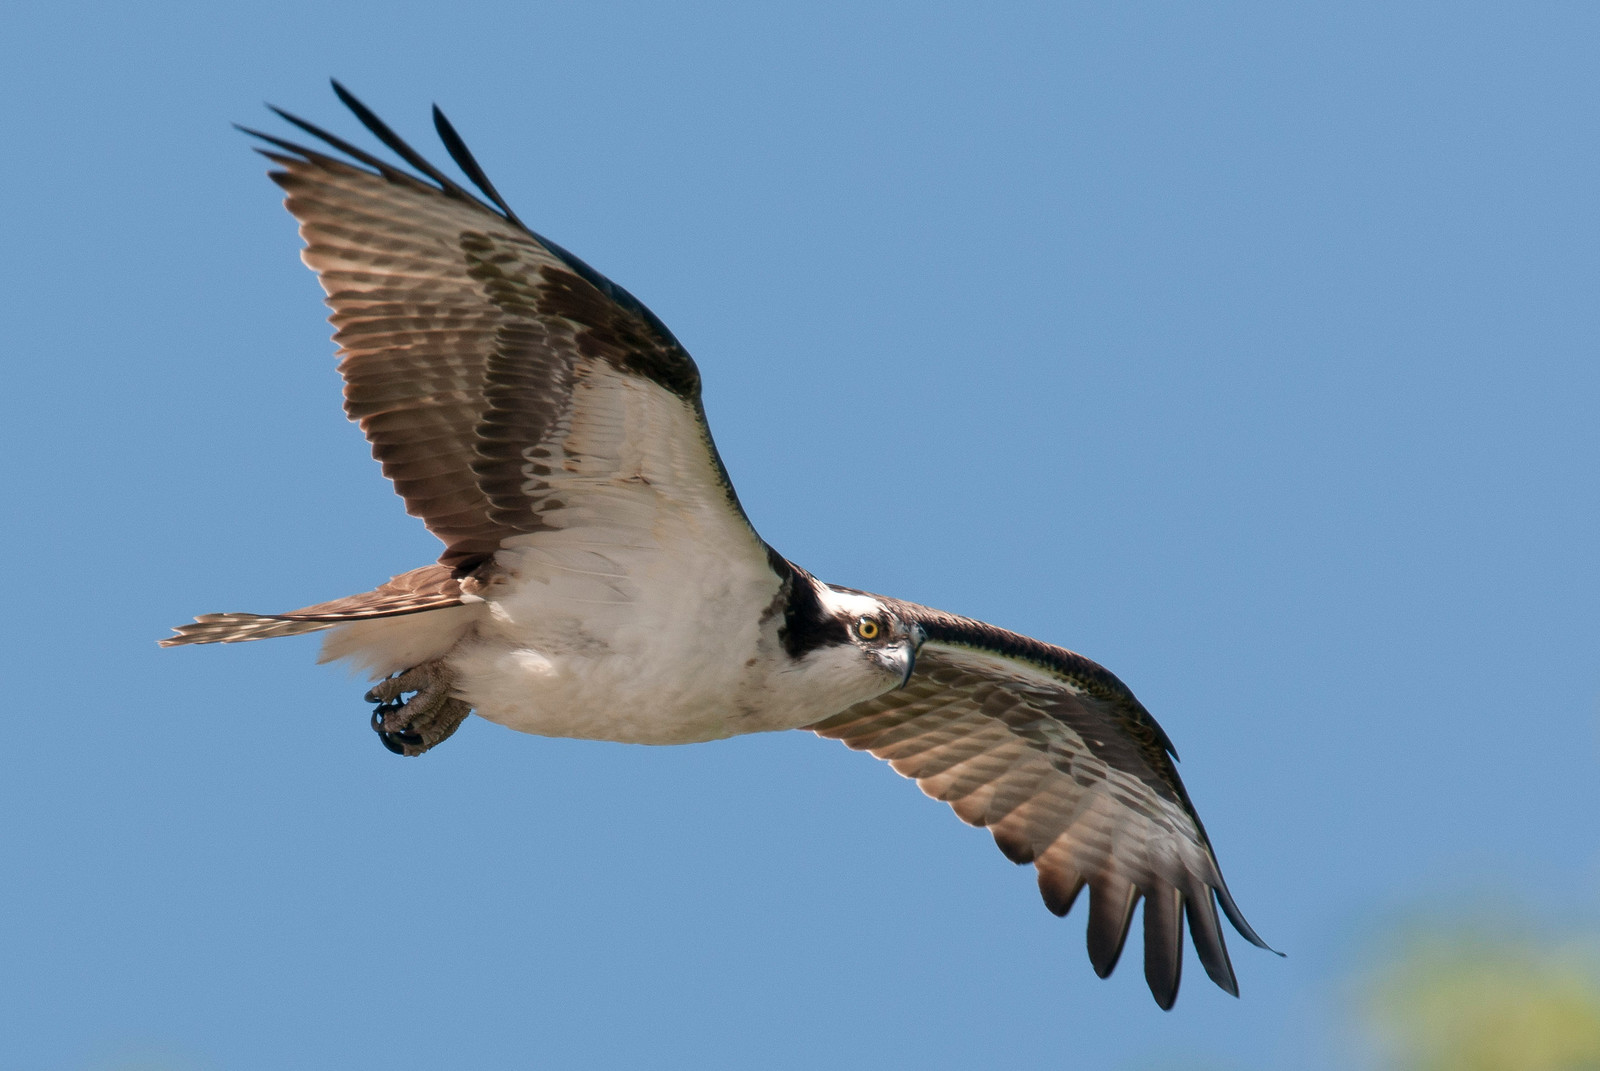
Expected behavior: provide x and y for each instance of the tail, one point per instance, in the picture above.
(429, 588)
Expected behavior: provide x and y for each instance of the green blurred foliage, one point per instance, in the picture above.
(1473, 999)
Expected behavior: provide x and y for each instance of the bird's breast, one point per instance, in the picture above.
(658, 634)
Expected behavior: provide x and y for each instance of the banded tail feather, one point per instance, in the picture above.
(431, 587)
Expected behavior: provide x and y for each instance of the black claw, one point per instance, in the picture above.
(403, 742)
(399, 741)
(380, 716)
(392, 742)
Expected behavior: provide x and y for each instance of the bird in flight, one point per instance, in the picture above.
(600, 579)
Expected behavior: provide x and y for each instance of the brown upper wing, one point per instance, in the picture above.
(462, 333)
(1069, 772)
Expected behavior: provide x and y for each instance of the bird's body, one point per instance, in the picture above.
(642, 612)
(600, 579)
(695, 654)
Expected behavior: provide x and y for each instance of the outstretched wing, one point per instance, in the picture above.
(1069, 772)
(466, 339)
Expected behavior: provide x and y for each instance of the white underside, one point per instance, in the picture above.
(645, 612)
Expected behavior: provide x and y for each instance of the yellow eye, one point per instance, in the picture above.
(867, 628)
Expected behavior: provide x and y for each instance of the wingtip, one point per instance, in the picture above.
(251, 131)
(350, 100)
(457, 148)
(1236, 917)
(1110, 916)
(1163, 945)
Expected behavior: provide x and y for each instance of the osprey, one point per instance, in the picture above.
(600, 579)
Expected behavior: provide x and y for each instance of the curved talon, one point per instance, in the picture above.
(389, 690)
(403, 743)
(412, 726)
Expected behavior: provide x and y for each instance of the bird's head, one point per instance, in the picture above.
(886, 641)
(861, 644)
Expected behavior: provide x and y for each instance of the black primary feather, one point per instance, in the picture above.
(469, 164)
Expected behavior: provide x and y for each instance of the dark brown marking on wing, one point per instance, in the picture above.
(610, 333)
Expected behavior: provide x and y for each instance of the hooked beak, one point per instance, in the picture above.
(917, 638)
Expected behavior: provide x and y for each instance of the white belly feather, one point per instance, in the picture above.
(679, 658)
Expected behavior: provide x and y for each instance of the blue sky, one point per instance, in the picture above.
(1250, 351)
